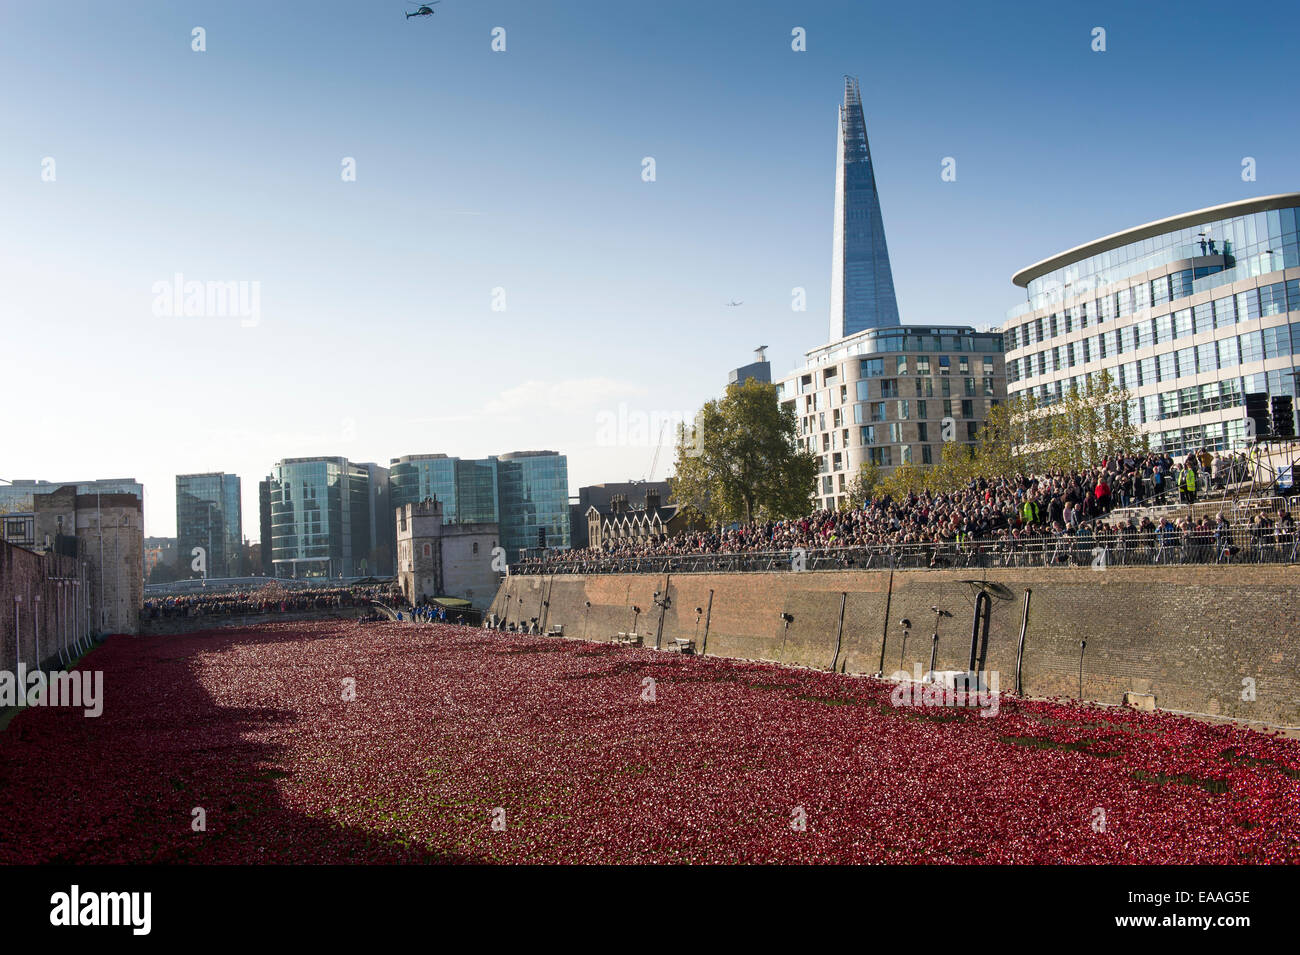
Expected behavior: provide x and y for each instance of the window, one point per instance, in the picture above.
(923, 364)
(1277, 342)
(900, 365)
(1168, 366)
(963, 365)
(862, 389)
(923, 433)
(945, 363)
(1225, 312)
(872, 367)
(889, 387)
(1251, 347)
(967, 409)
(895, 432)
(1206, 358)
(878, 411)
(920, 410)
(1160, 290)
(1272, 299)
(905, 406)
(1203, 317)
(867, 434)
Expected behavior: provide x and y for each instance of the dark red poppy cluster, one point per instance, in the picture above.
(345, 742)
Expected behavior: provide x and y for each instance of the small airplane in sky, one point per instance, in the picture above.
(733, 303)
(426, 10)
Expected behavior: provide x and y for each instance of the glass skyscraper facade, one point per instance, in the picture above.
(534, 494)
(1190, 314)
(467, 488)
(325, 520)
(209, 515)
(862, 283)
(525, 493)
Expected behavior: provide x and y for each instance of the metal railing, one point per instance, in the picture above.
(1138, 548)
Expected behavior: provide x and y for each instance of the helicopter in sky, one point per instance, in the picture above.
(425, 10)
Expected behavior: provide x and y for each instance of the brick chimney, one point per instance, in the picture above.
(651, 501)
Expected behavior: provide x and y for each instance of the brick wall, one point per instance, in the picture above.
(1188, 636)
(41, 624)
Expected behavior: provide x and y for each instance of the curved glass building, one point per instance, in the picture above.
(467, 488)
(1191, 314)
(329, 518)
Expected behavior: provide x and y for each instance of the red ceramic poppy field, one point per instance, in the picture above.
(460, 745)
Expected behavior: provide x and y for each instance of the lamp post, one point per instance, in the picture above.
(934, 640)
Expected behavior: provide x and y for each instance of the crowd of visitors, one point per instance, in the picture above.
(269, 599)
(1060, 506)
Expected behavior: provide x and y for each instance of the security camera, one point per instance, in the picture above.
(588, 604)
(906, 624)
(699, 610)
(787, 617)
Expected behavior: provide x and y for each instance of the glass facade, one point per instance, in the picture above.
(19, 497)
(534, 497)
(1190, 320)
(892, 396)
(466, 488)
(321, 519)
(209, 515)
(862, 283)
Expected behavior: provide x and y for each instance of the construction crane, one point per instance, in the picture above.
(654, 461)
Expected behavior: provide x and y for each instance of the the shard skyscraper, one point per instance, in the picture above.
(862, 284)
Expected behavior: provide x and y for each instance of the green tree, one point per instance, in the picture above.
(741, 460)
(862, 488)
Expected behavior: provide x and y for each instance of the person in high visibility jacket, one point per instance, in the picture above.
(1187, 484)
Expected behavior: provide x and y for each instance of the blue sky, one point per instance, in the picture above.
(521, 170)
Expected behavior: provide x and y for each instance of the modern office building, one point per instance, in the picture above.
(264, 525)
(892, 396)
(1192, 314)
(862, 283)
(17, 497)
(329, 518)
(760, 369)
(209, 516)
(534, 495)
(466, 488)
(525, 493)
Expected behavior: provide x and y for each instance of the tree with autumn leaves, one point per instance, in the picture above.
(1021, 436)
(741, 460)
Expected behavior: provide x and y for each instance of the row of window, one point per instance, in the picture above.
(920, 365)
(1219, 313)
(1224, 353)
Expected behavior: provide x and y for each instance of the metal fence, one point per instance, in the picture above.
(1237, 545)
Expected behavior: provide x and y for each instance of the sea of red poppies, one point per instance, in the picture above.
(350, 742)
